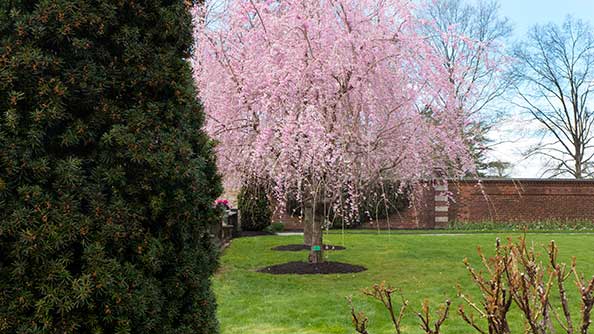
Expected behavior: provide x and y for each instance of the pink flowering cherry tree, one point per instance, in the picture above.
(324, 97)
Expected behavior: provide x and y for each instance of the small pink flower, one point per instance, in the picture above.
(222, 202)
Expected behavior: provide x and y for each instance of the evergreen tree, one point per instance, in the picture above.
(106, 178)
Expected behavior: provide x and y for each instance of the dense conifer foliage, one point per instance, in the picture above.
(106, 180)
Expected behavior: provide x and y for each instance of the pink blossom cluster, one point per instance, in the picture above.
(325, 97)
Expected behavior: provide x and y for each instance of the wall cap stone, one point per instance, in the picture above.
(522, 180)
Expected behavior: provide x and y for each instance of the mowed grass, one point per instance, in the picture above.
(424, 266)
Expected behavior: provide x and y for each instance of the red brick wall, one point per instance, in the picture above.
(507, 200)
(521, 200)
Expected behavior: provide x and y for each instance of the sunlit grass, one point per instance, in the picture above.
(422, 265)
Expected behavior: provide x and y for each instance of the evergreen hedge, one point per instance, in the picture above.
(106, 180)
(254, 207)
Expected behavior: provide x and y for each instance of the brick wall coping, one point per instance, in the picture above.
(523, 180)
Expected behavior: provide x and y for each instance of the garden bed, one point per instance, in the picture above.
(305, 268)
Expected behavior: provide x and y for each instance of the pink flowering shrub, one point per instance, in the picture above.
(223, 203)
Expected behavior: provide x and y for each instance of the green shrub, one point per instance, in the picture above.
(275, 227)
(254, 207)
(106, 180)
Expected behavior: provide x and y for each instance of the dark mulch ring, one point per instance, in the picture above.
(254, 233)
(303, 268)
(301, 247)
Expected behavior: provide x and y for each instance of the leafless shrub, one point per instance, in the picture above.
(515, 274)
(358, 318)
(425, 316)
(384, 293)
(496, 297)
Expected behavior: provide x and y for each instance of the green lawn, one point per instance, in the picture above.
(422, 265)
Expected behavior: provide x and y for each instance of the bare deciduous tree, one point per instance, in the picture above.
(555, 73)
(479, 21)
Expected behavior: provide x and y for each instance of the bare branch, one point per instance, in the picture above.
(554, 79)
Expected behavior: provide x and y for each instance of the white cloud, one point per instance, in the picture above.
(512, 138)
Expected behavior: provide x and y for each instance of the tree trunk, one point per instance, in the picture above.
(578, 163)
(307, 227)
(314, 236)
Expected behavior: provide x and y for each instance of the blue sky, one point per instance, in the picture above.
(525, 13)
(516, 133)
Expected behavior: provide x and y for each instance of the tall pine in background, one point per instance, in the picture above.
(106, 179)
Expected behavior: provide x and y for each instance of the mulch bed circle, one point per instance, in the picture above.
(305, 268)
(301, 247)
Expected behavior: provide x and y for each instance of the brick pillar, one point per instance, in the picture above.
(441, 204)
